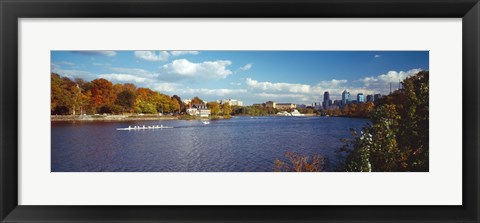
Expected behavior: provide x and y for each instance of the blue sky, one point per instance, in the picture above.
(250, 76)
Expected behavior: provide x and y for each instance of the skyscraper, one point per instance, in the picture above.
(360, 98)
(345, 97)
(369, 98)
(326, 100)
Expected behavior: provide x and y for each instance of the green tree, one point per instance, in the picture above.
(147, 101)
(181, 106)
(226, 110)
(214, 108)
(126, 100)
(398, 138)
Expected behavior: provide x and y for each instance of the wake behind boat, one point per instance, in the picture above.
(146, 127)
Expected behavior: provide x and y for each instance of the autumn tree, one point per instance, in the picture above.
(181, 106)
(175, 105)
(102, 95)
(226, 109)
(197, 100)
(146, 101)
(300, 163)
(66, 95)
(126, 100)
(60, 96)
(214, 108)
(398, 137)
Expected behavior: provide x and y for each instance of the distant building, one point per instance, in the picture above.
(186, 101)
(231, 102)
(376, 97)
(285, 106)
(369, 98)
(199, 110)
(327, 104)
(326, 100)
(345, 97)
(333, 107)
(360, 98)
(337, 103)
(302, 106)
(191, 111)
(263, 104)
(270, 104)
(204, 112)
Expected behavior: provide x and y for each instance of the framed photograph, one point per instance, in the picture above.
(227, 111)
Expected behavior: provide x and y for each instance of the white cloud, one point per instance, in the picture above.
(295, 87)
(108, 53)
(295, 92)
(246, 67)
(213, 92)
(377, 56)
(100, 64)
(134, 71)
(283, 92)
(152, 55)
(381, 83)
(167, 87)
(65, 63)
(74, 73)
(123, 78)
(277, 87)
(332, 83)
(183, 52)
(184, 69)
(205, 93)
(71, 73)
(287, 98)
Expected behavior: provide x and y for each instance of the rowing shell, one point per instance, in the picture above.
(146, 128)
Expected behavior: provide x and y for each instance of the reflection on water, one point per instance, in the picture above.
(240, 144)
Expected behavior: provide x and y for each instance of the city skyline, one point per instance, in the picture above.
(299, 77)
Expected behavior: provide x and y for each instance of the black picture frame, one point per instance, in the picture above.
(12, 10)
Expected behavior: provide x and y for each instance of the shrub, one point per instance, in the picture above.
(300, 163)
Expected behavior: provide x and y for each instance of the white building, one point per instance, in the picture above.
(199, 110)
(186, 101)
(231, 102)
(192, 111)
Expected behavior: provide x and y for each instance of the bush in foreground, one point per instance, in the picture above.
(300, 163)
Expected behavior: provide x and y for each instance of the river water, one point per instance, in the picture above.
(239, 144)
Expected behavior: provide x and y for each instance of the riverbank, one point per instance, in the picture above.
(116, 118)
(145, 117)
(89, 118)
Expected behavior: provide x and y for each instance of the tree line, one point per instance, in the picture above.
(71, 97)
